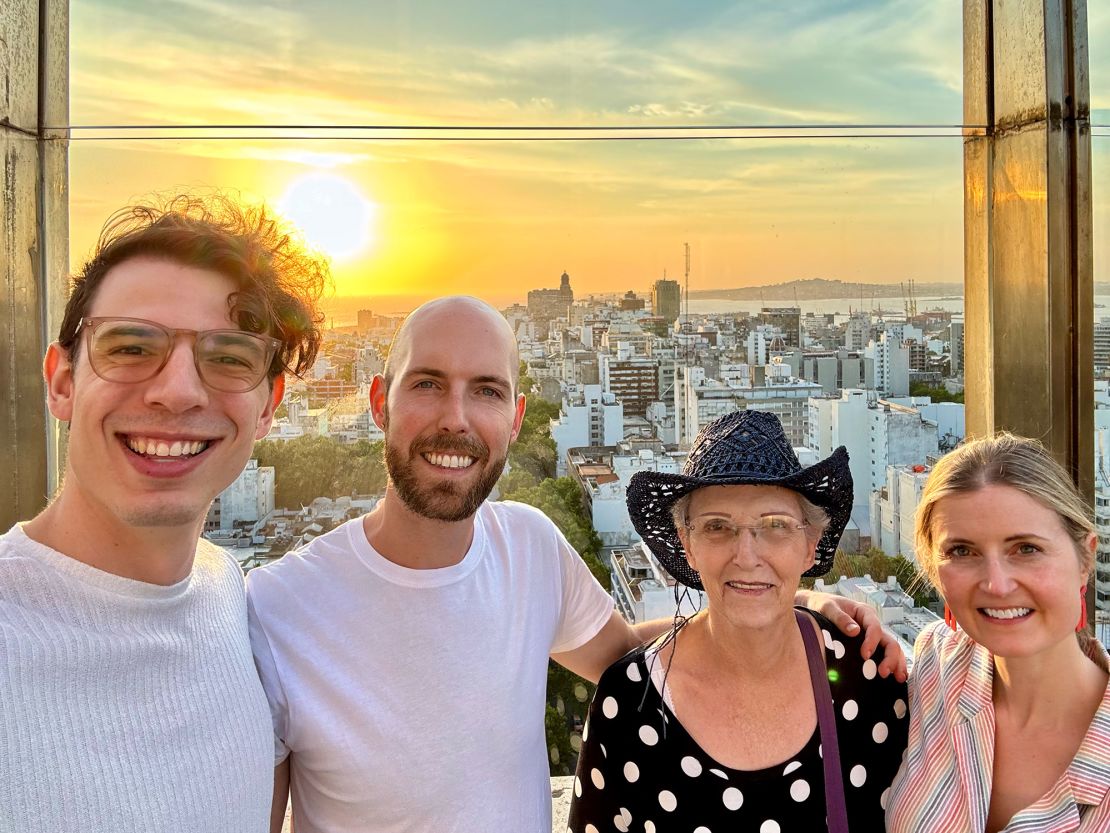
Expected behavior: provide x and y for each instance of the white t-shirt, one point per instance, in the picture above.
(413, 700)
(127, 706)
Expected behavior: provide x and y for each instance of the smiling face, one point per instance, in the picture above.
(449, 410)
(750, 581)
(1008, 569)
(155, 453)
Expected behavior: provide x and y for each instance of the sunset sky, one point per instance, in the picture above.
(416, 214)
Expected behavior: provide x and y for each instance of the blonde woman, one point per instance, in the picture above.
(1009, 709)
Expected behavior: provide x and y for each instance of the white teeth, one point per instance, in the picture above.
(748, 585)
(1006, 612)
(161, 448)
(449, 461)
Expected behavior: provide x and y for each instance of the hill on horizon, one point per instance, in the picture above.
(809, 289)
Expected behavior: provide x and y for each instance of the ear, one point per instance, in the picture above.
(518, 418)
(58, 373)
(377, 400)
(1091, 545)
(811, 553)
(266, 418)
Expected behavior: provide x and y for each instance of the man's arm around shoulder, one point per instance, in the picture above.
(615, 639)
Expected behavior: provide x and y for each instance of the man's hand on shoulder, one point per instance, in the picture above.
(849, 617)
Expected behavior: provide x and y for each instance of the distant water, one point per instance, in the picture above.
(824, 306)
(342, 312)
(842, 306)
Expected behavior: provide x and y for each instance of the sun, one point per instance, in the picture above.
(334, 216)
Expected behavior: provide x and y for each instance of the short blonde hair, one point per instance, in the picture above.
(1005, 460)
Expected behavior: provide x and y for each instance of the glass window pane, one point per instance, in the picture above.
(415, 220)
(1098, 27)
(496, 62)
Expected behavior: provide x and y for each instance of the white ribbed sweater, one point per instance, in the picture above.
(128, 707)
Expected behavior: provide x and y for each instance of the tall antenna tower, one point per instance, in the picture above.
(687, 327)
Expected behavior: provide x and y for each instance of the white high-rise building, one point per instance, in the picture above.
(1102, 345)
(877, 434)
(588, 417)
(899, 436)
(246, 501)
(700, 400)
(956, 346)
(893, 507)
(643, 590)
(604, 475)
(758, 342)
(1102, 494)
(857, 331)
(950, 420)
(892, 365)
(843, 421)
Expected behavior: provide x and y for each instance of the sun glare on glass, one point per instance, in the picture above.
(332, 213)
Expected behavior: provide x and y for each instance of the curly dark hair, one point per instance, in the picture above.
(279, 281)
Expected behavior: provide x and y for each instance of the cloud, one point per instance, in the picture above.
(887, 62)
(201, 62)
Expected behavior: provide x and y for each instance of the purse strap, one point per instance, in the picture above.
(826, 721)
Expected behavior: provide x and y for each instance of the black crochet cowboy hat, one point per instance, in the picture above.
(740, 448)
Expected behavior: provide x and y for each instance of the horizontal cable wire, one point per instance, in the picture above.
(540, 127)
(513, 133)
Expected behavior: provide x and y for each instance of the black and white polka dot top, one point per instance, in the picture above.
(634, 776)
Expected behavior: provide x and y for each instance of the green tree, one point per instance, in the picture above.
(309, 467)
(535, 455)
(938, 393)
(363, 472)
(568, 703)
(559, 751)
(533, 452)
(880, 566)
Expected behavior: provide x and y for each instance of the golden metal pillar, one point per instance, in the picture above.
(1027, 226)
(34, 241)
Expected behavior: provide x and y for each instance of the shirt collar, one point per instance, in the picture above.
(1089, 772)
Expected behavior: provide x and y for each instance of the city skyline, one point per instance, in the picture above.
(491, 212)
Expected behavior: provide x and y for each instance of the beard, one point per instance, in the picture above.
(446, 500)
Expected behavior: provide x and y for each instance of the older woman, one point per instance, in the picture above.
(1010, 725)
(751, 715)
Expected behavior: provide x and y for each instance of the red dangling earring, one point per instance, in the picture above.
(1082, 610)
(949, 617)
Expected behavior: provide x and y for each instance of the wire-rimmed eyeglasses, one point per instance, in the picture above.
(769, 529)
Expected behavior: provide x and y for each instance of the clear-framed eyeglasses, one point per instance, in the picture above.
(768, 530)
(129, 350)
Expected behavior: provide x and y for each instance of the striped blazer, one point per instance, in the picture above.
(944, 783)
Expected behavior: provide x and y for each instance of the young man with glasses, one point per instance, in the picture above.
(128, 696)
